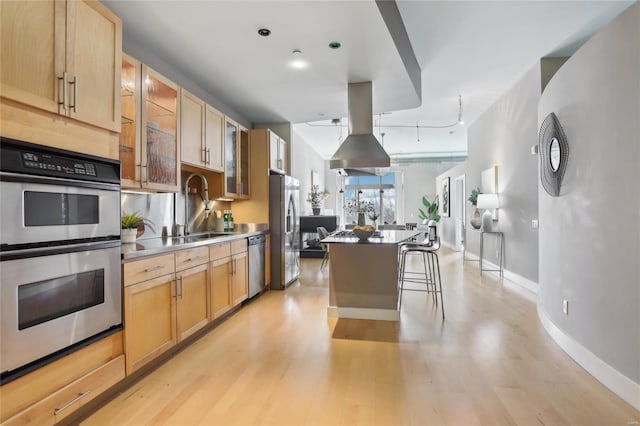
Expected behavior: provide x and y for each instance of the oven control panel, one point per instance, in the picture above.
(63, 165)
(30, 159)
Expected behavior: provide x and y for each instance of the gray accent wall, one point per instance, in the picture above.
(503, 136)
(590, 234)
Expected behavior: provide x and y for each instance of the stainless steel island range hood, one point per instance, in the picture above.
(360, 153)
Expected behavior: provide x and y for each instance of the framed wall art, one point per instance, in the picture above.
(445, 205)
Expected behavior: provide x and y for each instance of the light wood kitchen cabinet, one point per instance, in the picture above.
(192, 288)
(149, 292)
(149, 320)
(236, 151)
(63, 57)
(65, 401)
(35, 396)
(149, 143)
(229, 276)
(220, 292)
(201, 133)
(129, 145)
(239, 278)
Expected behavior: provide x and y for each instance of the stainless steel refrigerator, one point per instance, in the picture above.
(284, 226)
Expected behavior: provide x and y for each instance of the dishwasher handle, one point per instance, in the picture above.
(257, 240)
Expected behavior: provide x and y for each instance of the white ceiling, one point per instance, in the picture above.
(474, 48)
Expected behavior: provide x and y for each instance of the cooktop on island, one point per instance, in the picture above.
(348, 233)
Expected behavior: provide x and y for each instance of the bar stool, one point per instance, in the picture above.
(431, 277)
(322, 234)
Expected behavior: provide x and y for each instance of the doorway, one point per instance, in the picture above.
(460, 196)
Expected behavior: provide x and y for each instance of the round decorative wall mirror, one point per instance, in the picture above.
(554, 153)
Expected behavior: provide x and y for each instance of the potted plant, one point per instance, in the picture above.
(315, 198)
(431, 210)
(130, 223)
(473, 198)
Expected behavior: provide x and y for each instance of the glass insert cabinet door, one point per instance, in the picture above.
(159, 131)
(231, 156)
(130, 122)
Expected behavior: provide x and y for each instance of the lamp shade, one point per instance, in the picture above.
(488, 201)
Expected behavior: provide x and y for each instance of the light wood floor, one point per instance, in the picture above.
(280, 361)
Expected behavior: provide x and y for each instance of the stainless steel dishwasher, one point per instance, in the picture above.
(256, 264)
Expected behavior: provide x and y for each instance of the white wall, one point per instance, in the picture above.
(303, 160)
(503, 136)
(590, 234)
(419, 181)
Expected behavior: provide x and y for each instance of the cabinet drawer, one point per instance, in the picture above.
(60, 404)
(146, 269)
(238, 246)
(27, 390)
(192, 257)
(218, 251)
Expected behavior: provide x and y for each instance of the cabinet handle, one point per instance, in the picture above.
(155, 268)
(191, 259)
(208, 156)
(146, 173)
(81, 395)
(180, 293)
(64, 90)
(75, 94)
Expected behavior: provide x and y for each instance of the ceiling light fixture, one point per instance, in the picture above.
(264, 32)
(298, 61)
(334, 45)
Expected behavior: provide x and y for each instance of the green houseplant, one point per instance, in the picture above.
(473, 199)
(130, 223)
(431, 210)
(315, 197)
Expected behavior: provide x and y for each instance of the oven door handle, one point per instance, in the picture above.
(45, 251)
(17, 177)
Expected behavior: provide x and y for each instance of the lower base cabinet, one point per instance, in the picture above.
(220, 291)
(192, 294)
(149, 318)
(239, 278)
(53, 392)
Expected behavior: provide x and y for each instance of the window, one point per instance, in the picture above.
(375, 194)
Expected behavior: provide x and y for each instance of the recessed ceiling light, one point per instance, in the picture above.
(334, 45)
(264, 32)
(297, 61)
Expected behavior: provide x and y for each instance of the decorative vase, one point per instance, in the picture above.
(316, 211)
(129, 235)
(477, 220)
(361, 219)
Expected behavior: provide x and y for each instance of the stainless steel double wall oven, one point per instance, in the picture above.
(60, 271)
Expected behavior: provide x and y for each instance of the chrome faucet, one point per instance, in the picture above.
(186, 200)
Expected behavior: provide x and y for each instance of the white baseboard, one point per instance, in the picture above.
(617, 382)
(448, 245)
(511, 276)
(364, 313)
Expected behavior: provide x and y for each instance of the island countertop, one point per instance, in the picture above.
(386, 237)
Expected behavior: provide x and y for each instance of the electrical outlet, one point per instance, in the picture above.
(565, 306)
(534, 223)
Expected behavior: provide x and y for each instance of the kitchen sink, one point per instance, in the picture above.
(200, 237)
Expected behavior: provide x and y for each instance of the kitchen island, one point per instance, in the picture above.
(364, 275)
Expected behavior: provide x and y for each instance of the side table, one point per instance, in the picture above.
(500, 236)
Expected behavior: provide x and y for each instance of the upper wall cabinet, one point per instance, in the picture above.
(236, 148)
(63, 57)
(277, 153)
(201, 134)
(149, 145)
